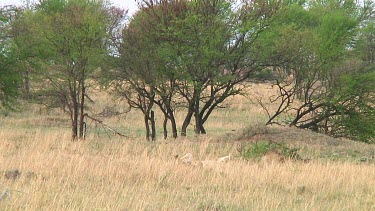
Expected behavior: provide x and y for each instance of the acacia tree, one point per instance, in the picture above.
(147, 64)
(219, 55)
(200, 52)
(70, 39)
(330, 89)
(137, 72)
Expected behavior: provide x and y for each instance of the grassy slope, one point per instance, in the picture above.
(112, 173)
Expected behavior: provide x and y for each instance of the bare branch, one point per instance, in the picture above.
(105, 126)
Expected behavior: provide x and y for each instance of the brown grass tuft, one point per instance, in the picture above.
(273, 156)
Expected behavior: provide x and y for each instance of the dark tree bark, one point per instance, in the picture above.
(147, 126)
(73, 94)
(165, 130)
(153, 126)
(187, 119)
(81, 113)
(173, 124)
(165, 106)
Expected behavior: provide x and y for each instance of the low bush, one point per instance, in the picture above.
(259, 149)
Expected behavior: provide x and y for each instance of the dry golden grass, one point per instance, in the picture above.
(132, 175)
(113, 173)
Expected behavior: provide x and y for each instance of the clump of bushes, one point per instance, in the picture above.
(259, 149)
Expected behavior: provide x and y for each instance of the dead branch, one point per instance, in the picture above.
(105, 126)
(265, 109)
(286, 96)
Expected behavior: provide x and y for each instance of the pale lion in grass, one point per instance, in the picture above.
(188, 160)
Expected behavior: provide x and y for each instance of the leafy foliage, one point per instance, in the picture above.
(64, 42)
(258, 149)
(9, 75)
(193, 54)
(323, 85)
(355, 103)
(175, 54)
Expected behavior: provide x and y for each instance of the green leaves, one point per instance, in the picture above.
(356, 100)
(71, 31)
(9, 76)
(314, 44)
(52, 6)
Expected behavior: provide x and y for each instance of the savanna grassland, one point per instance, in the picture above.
(109, 172)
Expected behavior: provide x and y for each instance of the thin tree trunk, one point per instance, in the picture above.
(187, 120)
(165, 131)
(75, 122)
(201, 127)
(75, 113)
(196, 116)
(153, 128)
(82, 114)
(173, 124)
(71, 120)
(189, 114)
(74, 130)
(147, 127)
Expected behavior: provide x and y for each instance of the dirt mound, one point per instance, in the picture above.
(311, 144)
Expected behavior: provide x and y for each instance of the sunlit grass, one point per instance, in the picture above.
(118, 174)
(107, 172)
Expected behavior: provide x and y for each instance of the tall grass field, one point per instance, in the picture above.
(41, 169)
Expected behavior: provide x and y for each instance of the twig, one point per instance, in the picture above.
(265, 109)
(105, 126)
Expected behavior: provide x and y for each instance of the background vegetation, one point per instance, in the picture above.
(189, 57)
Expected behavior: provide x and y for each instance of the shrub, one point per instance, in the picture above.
(259, 149)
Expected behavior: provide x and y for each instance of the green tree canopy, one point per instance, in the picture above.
(68, 40)
(198, 52)
(9, 76)
(315, 45)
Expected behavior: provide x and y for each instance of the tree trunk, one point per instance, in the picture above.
(165, 126)
(147, 127)
(75, 124)
(153, 128)
(168, 115)
(75, 115)
(173, 124)
(189, 114)
(187, 120)
(81, 113)
(201, 127)
(196, 116)
(74, 130)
